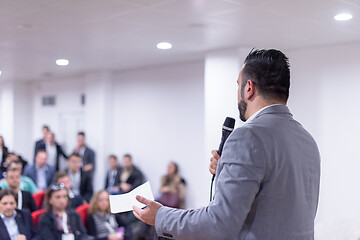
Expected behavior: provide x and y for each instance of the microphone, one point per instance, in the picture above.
(227, 129)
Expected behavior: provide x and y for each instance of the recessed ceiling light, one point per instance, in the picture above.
(164, 45)
(343, 17)
(62, 62)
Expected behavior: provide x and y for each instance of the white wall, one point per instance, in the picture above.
(325, 98)
(159, 116)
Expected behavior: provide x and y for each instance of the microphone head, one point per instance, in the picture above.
(229, 124)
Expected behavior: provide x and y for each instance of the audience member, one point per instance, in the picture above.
(53, 150)
(130, 175)
(81, 181)
(25, 198)
(15, 224)
(112, 174)
(3, 150)
(87, 154)
(41, 172)
(41, 142)
(26, 184)
(75, 200)
(102, 224)
(172, 190)
(60, 222)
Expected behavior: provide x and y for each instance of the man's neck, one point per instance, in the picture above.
(259, 104)
(15, 190)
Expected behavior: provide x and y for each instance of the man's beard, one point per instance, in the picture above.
(242, 106)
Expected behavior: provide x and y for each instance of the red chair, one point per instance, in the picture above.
(39, 198)
(83, 212)
(36, 216)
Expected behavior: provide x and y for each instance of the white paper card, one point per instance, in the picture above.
(125, 202)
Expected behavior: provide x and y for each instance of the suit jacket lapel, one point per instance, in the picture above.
(20, 222)
(3, 232)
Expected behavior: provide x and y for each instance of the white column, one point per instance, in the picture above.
(99, 121)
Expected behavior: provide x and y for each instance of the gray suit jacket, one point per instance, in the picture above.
(267, 186)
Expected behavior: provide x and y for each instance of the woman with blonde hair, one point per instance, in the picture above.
(101, 223)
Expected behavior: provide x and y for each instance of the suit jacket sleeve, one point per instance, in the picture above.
(90, 225)
(239, 174)
(47, 228)
(86, 189)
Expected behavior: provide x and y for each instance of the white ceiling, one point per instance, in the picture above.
(122, 34)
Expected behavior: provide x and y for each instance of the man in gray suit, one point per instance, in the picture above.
(267, 182)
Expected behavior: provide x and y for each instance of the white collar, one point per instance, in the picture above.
(257, 113)
(13, 216)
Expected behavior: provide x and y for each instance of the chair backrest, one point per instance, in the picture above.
(36, 216)
(83, 212)
(39, 198)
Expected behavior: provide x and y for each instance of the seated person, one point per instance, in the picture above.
(172, 190)
(26, 184)
(129, 176)
(75, 200)
(111, 175)
(60, 222)
(41, 173)
(25, 198)
(81, 181)
(15, 224)
(9, 158)
(102, 224)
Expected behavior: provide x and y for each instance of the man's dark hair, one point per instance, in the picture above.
(46, 127)
(74, 155)
(128, 156)
(59, 175)
(113, 156)
(8, 192)
(41, 150)
(270, 71)
(81, 134)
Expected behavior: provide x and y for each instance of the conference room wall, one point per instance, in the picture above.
(159, 116)
(325, 97)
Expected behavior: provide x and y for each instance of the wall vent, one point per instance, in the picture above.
(48, 101)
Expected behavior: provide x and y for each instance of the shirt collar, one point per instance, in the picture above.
(13, 216)
(257, 113)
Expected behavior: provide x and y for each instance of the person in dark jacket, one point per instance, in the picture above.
(15, 223)
(53, 150)
(81, 181)
(60, 221)
(40, 142)
(3, 150)
(129, 176)
(25, 198)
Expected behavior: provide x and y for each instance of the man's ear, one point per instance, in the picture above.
(249, 89)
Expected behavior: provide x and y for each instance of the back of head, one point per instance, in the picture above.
(270, 71)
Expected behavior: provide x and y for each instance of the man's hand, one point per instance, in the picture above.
(88, 167)
(125, 187)
(148, 214)
(20, 237)
(213, 162)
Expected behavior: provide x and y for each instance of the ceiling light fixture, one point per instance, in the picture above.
(0, 73)
(62, 62)
(343, 17)
(164, 45)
